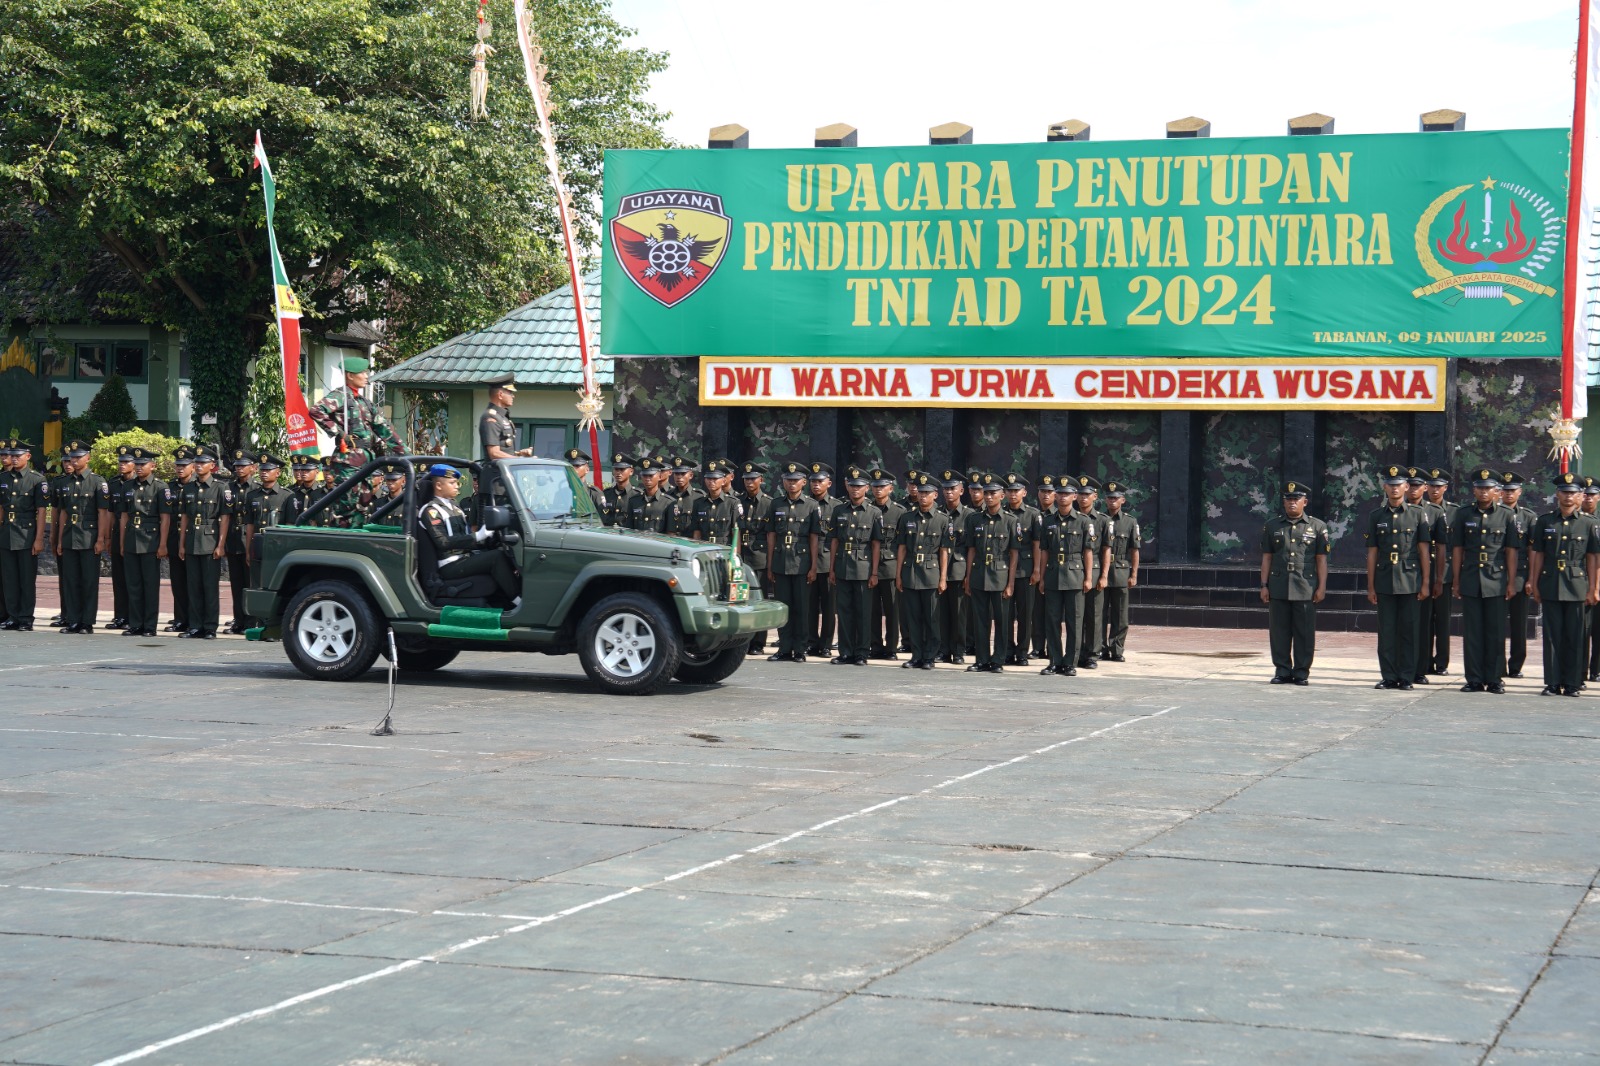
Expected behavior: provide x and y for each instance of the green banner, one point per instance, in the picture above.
(1436, 244)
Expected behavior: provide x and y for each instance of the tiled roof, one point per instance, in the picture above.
(538, 342)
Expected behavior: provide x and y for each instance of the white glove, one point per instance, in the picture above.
(482, 535)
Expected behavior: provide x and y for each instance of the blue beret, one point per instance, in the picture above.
(443, 470)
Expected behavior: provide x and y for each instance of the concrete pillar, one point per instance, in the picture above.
(1443, 120)
(831, 438)
(836, 135)
(1177, 541)
(1433, 433)
(732, 135)
(950, 133)
(1299, 456)
(1188, 127)
(1311, 125)
(939, 444)
(1068, 129)
(1056, 442)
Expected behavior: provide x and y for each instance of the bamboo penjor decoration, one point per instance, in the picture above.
(589, 402)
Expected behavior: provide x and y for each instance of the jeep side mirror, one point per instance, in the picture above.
(498, 518)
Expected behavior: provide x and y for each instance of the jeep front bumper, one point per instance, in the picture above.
(714, 619)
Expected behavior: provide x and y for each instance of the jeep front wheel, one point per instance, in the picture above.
(628, 645)
(331, 632)
(713, 668)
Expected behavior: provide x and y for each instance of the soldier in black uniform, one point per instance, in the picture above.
(1294, 579)
(715, 516)
(856, 529)
(954, 605)
(496, 432)
(621, 490)
(1517, 608)
(1099, 576)
(1564, 577)
(302, 494)
(243, 465)
(1484, 545)
(923, 544)
(823, 602)
(1435, 657)
(1063, 565)
(146, 520)
(1021, 605)
(1045, 504)
(24, 513)
(884, 625)
(1591, 636)
(118, 488)
(680, 514)
(647, 512)
(757, 507)
(1122, 550)
(991, 544)
(1399, 565)
(82, 528)
(793, 531)
(206, 510)
(268, 499)
(177, 573)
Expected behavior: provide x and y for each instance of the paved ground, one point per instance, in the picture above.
(206, 859)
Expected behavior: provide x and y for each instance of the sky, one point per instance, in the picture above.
(1010, 68)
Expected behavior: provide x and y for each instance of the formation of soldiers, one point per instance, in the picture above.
(1493, 555)
(941, 566)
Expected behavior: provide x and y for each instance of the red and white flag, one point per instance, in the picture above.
(301, 431)
(1580, 349)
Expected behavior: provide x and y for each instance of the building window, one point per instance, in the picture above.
(91, 363)
(550, 440)
(97, 360)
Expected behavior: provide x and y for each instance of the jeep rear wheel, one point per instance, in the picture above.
(713, 668)
(422, 660)
(331, 632)
(628, 645)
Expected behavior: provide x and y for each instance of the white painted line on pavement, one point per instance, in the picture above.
(466, 945)
(142, 894)
(46, 666)
(91, 733)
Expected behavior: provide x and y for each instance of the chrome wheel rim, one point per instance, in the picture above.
(326, 631)
(625, 644)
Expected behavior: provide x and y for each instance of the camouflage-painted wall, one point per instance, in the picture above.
(1504, 409)
(1356, 444)
(1003, 441)
(1126, 446)
(1240, 457)
(658, 406)
(777, 435)
(890, 436)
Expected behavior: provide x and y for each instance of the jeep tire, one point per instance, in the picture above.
(331, 632)
(713, 668)
(628, 644)
(422, 660)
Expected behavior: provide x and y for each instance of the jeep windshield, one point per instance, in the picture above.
(553, 492)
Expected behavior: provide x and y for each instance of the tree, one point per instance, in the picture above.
(130, 124)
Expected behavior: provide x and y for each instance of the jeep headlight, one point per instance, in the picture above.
(694, 565)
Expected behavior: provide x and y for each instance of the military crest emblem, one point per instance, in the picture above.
(1489, 240)
(670, 241)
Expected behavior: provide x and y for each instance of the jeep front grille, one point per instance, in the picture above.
(714, 575)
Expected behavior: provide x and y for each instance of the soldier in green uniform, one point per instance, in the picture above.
(1122, 551)
(1045, 504)
(923, 544)
(1399, 566)
(757, 508)
(1511, 484)
(267, 500)
(1591, 637)
(1564, 577)
(360, 433)
(1434, 656)
(177, 573)
(146, 519)
(1021, 605)
(856, 529)
(82, 529)
(497, 434)
(1417, 496)
(1094, 600)
(579, 460)
(242, 465)
(793, 531)
(953, 600)
(884, 624)
(1294, 579)
(302, 494)
(680, 513)
(824, 603)
(206, 512)
(991, 544)
(715, 516)
(647, 512)
(681, 477)
(118, 488)
(620, 491)
(1484, 545)
(1063, 560)
(24, 514)
(974, 504)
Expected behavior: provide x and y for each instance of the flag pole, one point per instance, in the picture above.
(1565, 431)
(589, 402)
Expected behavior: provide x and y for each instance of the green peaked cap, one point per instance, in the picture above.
(357, 364)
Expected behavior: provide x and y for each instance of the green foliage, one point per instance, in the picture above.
(79, 427)
(112, 407)
(265, 428)
(103, 456)
(131, 124)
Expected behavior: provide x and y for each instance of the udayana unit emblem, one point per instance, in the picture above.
(670, 241)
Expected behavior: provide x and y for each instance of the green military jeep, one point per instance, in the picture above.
(638, 608)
